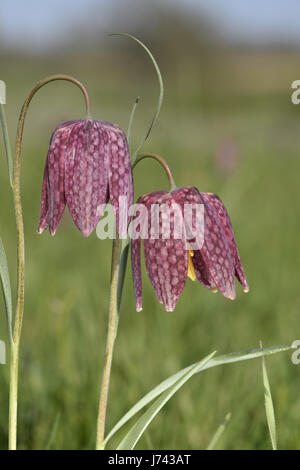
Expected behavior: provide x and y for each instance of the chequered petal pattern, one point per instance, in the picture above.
(167, 256)
(146, 200)
(88, 163)
(216, 251)
(86, 174)
(53, 191)
(120, 173)
(226, 222)
(44, 211)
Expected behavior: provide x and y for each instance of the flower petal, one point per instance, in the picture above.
(44, 210)
(146, 200)
(119, 174)
(166, 259)
(86, 174)
(226, 222)
(191, 196)
(55, 176)
(216, 251)
(136, 272)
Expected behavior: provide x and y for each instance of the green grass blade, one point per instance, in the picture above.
(53, 432)
(5, 281)
(131, 119)
(170, 381)
(160, 96)
(6, 143)
(216, 437)
(134, 434)
(269, 405)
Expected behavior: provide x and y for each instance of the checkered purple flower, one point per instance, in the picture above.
(87, 164)
(169, 261)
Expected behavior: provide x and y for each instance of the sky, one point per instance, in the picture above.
(36, 24)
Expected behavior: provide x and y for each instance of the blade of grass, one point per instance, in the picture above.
(6, 143)
(161, 91)
(5, 281)
(216, 437)
(131, 119)
(269, 404)
(135, 433)
(53, 432)
(216, 361)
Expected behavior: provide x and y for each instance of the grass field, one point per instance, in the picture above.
(67, 277)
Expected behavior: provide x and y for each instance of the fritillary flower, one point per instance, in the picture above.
(87, 165)
(215, 262)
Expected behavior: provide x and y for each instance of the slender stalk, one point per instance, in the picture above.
(21, 253)
(162, 162)
(110, 341)
(6, 142)
(160, 97)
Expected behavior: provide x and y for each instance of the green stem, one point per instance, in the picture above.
(21, 253)
(110, 341)
(13, 396)
(162, 162)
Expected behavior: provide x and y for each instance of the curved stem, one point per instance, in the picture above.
(160, 96)
(162, 162)
(110, 341)
(21, 253)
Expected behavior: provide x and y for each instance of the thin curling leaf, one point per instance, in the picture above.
(216, 437)
(6, 142)
(5, 281)
(135, 433)
(170, 381)
(131, 119)
(269, 404)
(161, 92)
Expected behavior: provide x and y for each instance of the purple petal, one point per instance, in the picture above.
(216, 251)
(166, 261)
(136, 252)
(191, 196)
(55, 171)
(86, 175)
(119, 174)
(225, 220)
(136, 272)
(43, 222)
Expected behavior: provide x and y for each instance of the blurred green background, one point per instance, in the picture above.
(227, 126)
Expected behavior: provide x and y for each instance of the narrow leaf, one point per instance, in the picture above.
(269, 405)
(161, 91)
(139, 427)
(216, 361)
(216, 437)
(5, 281)
(6, 142)
(131, 119)
(53, 432)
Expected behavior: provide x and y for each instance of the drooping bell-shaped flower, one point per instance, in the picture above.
(87, 165)
(204, 249)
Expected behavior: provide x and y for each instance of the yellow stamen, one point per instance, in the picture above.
(191, 270)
